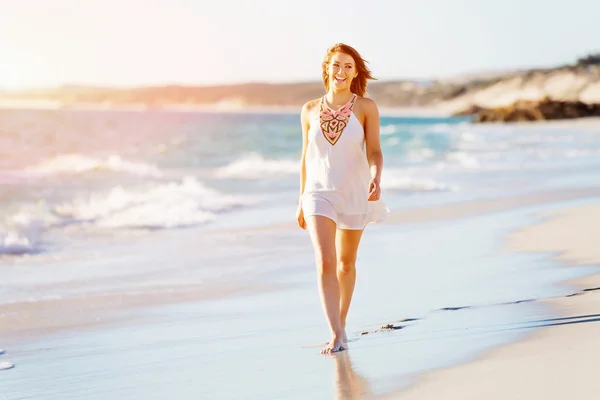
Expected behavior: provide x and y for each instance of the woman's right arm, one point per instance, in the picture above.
(304, 118)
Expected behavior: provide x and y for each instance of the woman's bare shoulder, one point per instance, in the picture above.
(367, 104)
(365, 108)
(311, 104)
(310, 107)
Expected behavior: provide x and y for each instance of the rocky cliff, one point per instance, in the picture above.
(533, 110)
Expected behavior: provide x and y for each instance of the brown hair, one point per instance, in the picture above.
(359, 84)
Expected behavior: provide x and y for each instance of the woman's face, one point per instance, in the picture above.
(341, 71)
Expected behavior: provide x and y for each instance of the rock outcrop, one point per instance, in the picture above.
(533, 110)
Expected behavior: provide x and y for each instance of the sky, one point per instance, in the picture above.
(45, 43)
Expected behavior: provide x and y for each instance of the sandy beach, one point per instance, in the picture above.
(559, 358)
(555, 357)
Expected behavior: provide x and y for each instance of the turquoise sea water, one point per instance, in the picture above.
(167, 170)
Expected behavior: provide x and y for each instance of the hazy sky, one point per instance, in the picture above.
(133, 42)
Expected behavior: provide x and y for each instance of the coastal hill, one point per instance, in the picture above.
(569, 91)
(577, 84)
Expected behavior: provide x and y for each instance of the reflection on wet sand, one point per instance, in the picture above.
(348, 384)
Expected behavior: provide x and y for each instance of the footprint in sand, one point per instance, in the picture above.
(5, 364)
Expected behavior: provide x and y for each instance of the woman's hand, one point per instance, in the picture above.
(374, 190)
(300, 217)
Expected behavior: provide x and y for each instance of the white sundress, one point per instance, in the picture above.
(337, 170)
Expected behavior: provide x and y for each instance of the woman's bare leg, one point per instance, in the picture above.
(322, 232)
(347, 242)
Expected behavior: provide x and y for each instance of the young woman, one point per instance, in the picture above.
(339, 180)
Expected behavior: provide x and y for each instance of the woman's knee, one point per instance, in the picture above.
(326, 263)
(346, 265)
(323, 231)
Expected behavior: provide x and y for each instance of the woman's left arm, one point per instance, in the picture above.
(373, 146)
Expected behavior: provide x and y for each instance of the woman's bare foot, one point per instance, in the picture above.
(336, 344)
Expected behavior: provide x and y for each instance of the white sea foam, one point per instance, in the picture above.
(254, 166)
(444, 128)
(21, 227)
(15, 243)
(78, 163)
(397, 179)
(390, 142)
(388, 129)
(463, 159)
(468, 137)
(420, 154)
(22, 239)
(167, 205)
(439, 128)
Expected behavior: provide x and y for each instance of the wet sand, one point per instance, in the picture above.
(84, 345)
(559, 358)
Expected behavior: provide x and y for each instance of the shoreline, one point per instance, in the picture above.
(107, 306)
(557, 358)
(5, 104)
(385, 111)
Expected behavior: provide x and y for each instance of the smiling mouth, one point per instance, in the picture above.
(338, 79)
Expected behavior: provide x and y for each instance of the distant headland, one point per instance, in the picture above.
(567, 91)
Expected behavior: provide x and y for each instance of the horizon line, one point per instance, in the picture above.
(299, 81)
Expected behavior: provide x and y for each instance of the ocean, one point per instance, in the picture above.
(162, 246)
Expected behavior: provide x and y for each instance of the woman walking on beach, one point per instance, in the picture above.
(339, 180)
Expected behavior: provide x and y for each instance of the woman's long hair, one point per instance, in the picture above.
(359, 84)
